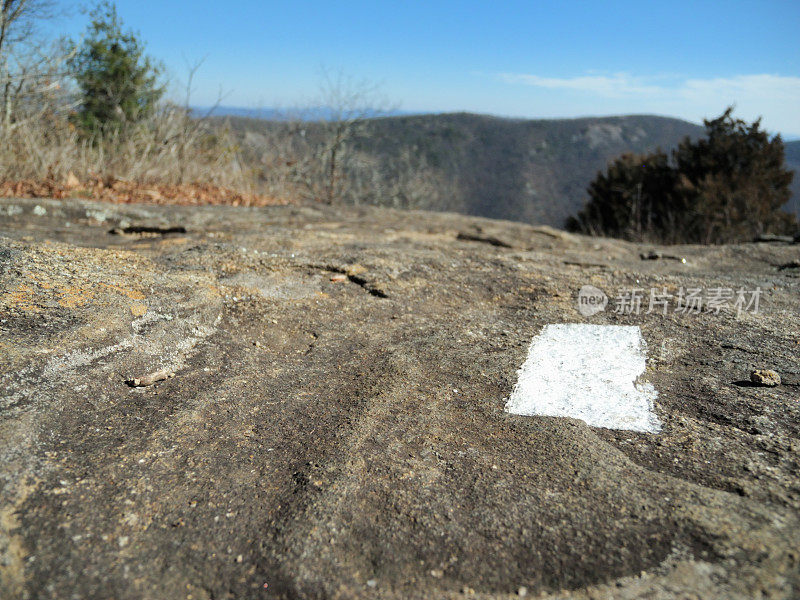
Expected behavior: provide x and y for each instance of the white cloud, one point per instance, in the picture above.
(775, 97)
(768, 87)
(617, 85)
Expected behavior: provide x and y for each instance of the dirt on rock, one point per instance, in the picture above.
(119, 191)
(335, 425)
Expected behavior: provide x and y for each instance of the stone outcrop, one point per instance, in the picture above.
(307, 402)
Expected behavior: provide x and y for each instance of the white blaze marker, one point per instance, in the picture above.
(587, 372)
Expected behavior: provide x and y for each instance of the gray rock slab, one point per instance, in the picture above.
(329, 436)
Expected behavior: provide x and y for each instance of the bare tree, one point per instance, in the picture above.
(18, 20)
(344, 103)
(23, 67)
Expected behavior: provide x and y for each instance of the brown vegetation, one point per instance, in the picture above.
(159, 155)
(168, 149)
(124, 192)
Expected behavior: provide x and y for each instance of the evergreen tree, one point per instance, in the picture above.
(635, 199)
(735, 180)
(118, 82)
(728, 186)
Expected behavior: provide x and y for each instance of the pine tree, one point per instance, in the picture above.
(118, 82)
(728, 186)
(735, 180)
(633, 200)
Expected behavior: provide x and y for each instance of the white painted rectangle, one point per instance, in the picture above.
(587, 372)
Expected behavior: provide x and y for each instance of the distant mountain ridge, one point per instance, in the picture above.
(277, 114)
(534, 171)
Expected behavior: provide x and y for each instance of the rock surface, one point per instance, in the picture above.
(340, 437)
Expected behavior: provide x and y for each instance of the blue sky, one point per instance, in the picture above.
(687, 59)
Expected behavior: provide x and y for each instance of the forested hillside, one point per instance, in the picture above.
(532, 171)
(535, 171)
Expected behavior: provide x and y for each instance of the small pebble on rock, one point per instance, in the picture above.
(765, 377)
